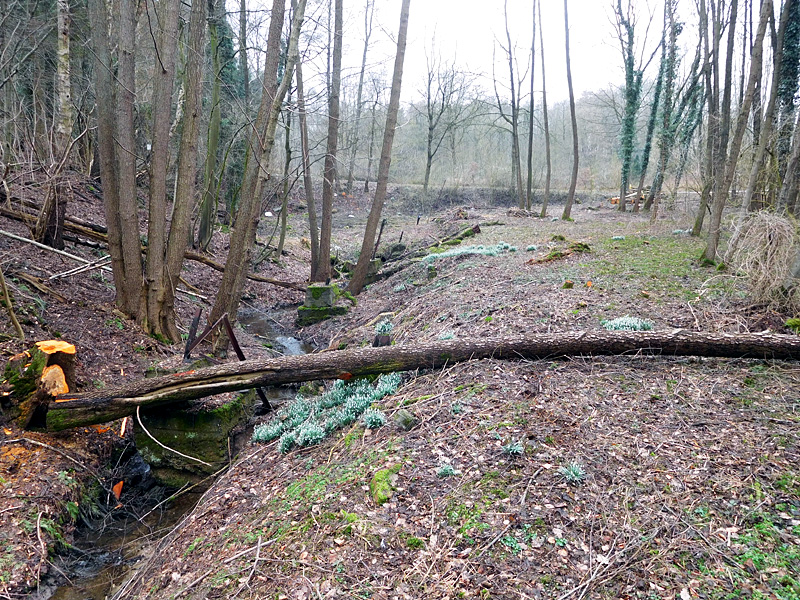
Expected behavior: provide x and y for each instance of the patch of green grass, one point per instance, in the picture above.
(664, 265)
(765, 547)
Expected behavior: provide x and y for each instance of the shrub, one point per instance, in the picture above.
(573, 473)
(514, 449)
(627, 323)
(373, 418)
(306, 422)
(445, 471)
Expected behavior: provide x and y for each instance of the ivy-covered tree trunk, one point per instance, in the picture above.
(667, 133)
(633, 87)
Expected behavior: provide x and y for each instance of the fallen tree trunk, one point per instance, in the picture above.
(73, 410)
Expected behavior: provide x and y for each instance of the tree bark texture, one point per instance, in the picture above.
(721, 194)
(548, 160)
(323, 271)
(573, 182)
(262, 139)
(73, 410)
(382, 182)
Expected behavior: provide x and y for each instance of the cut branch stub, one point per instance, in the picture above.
(33, 378)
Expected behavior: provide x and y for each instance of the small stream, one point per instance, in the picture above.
(104, 553)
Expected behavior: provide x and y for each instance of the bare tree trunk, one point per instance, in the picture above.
(163, 86)
(117, 163)
(360, 272)
(329, 170)
(516, 159)
(128, 209)
(50, 224)
(208, 206)
(243, 63)
(765, 129)
(573, 182)
(287, 163)
(262, 140)
(546, 198)
(371, 151)
(712, 122)
(529, 188)
(308, 182)
(185, 187)
(368, 11)
(715, 224)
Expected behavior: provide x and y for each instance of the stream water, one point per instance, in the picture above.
(103, 554)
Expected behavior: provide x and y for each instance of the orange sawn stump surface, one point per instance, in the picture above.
(33, 378)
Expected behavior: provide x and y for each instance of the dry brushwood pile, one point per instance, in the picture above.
(602, 477)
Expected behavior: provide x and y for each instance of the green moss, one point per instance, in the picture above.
(793, 324)
(381, 487)
(307, 315)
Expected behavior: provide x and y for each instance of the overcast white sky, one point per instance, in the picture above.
(469, 29)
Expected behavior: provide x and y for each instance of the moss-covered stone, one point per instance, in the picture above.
(405, 419)
(382, 487)
(307, 315)
(200, 434)
(319, 296)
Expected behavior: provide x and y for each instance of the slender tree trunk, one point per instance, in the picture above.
(715, 224)
(371, 151)
(244, 66)
(529, 190)
(208, 206)
(50, 224)
(287, 163)
(712, 121)
(308, 182)
(765, 130)
(360, 272)
(368, 11)
(574, 179)
(329, 170)
(548, 171)
(126, 156)
(163, 85)
(116, 149)
(262, 140)
(516, 159)
(180, 224)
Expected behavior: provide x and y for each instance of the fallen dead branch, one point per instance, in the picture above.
(73, 410)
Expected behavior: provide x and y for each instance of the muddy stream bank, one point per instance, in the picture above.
(162, 485)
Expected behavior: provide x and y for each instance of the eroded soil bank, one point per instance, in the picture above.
(650, 477)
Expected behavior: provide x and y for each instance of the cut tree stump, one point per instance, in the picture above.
(35, 377)
(74, 410)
